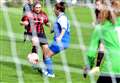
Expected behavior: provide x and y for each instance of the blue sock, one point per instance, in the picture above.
(48, 63)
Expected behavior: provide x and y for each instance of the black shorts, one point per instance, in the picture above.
(108, 79)
(42, 38)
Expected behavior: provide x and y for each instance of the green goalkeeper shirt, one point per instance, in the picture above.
(109, 34)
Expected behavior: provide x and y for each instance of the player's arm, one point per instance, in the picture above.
(93, 48)
(51, 29)
(61, 35)
(100, 54)
(63, 23)
(47, 22)
(24, 21)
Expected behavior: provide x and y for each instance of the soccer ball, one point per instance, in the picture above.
(33, 58)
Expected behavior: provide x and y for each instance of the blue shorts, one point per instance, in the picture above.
(56, 47)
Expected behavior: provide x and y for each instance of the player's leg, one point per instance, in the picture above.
(46, 57)
(33, 56)
(48, 62)
(53, 49)
(35, 44)
(44, 47)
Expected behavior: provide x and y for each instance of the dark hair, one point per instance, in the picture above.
(60, 6)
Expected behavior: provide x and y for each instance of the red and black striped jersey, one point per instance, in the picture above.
(37, 20)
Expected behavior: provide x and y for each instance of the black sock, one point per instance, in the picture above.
(99, 58)
(34, 49)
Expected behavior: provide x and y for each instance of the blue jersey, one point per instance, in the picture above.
(62, 23)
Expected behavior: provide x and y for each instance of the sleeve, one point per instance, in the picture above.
(25, 18)
(45, 18)
(94, 43)
(63, 22)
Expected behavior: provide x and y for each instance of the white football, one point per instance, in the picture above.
(33, 58)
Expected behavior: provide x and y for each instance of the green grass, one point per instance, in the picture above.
(74, 56)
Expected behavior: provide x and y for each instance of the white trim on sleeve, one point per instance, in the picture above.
(63, 22)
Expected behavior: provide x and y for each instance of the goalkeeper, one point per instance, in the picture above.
(108, 31)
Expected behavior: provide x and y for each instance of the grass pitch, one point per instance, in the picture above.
(74, 55)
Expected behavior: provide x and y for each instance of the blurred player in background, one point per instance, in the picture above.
(61, 39)
(28, 6)
(108, 31)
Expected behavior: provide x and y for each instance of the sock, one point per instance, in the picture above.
(48, 63)
(99, 58)
(34, 49)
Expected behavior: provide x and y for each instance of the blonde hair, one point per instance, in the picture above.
(116, 7)
(108, 14)
(103, 15)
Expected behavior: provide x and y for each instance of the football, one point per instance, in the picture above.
(33, 58)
